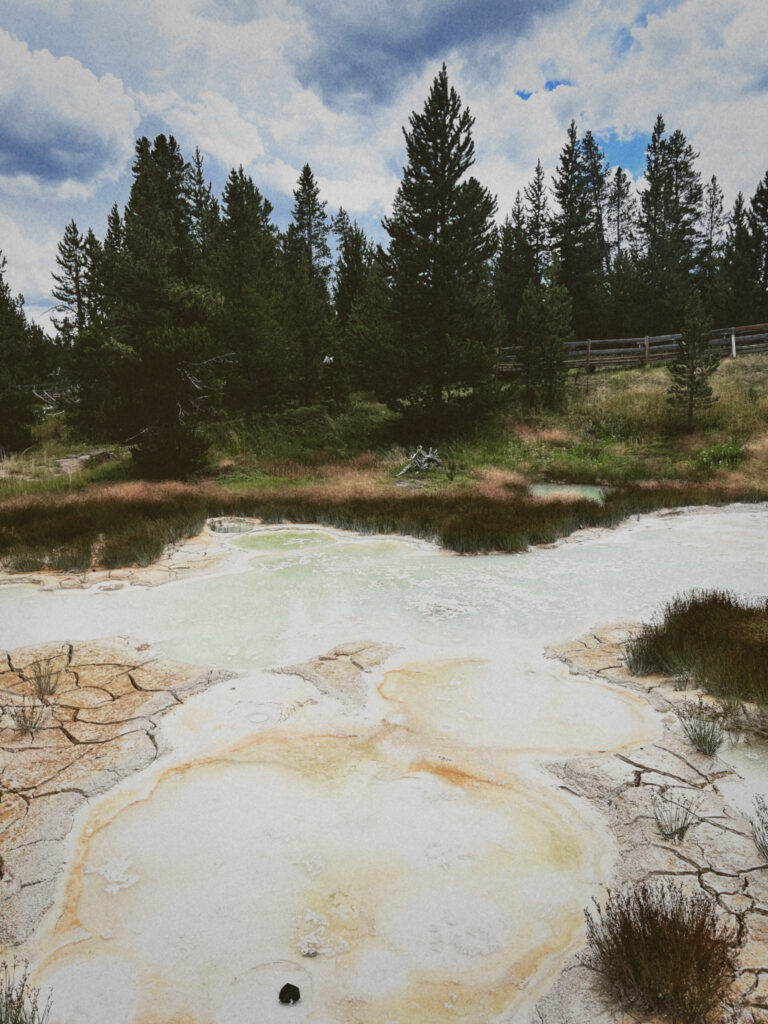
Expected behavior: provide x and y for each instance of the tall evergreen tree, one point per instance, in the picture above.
(442, 239)
(597, 175)
(514, 267)
(621, 214)
(575, 237)
(694, 363)
(136, 381)
(625, 314)
(248, 275)
(309, 228)
(758, 232)
(204, 213)
(738, 287)
(353, 264)
(538, 220)
(70, 287)
(543, 327)
(370, 336)
(308, 260)
(713, 222)
(670, 208)
(25, 361)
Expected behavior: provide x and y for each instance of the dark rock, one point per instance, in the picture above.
(290, 994)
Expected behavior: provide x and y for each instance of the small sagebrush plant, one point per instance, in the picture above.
(27, 716)
(675, 815)
(760, 827)
(45, 677)
(703, 731)
(662, 951)
(19, 1002)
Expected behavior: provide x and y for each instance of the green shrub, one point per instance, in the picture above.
(727, 453)
(662, 951)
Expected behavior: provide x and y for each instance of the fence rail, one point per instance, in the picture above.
(590, 354)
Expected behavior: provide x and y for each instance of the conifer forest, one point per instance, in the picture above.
(188, 307)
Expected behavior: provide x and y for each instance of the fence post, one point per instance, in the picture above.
(589, 352)
(733, 343)
(647, 348)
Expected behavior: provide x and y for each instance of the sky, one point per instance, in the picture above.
(275, 84)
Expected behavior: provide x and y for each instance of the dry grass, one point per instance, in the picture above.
(19, 1001)
(131, 523)
(28, 715)
(663, 952)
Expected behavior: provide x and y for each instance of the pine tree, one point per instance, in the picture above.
(713, 222)
(737, 278)
(69, 288)
(625, 312)
(248, 274)
(757, 219)
(308, 262)
(309, 227)
(694, 363)
(371, 338)
(575, 235)
(204, 213)
(596, 174)
(353, 264)
(139, 378)
(93, 280)
(537, 221)
(543, 327)
(670, 210)
(442, 239)
(25, 361)
(514, 267)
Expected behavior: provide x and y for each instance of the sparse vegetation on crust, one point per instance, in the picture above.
(760, 827)
(19, 1001)
(662, 951)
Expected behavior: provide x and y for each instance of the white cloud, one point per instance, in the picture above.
(231, 77)
(211, 122)
(694, 63)
(63, 129)
(30, 256)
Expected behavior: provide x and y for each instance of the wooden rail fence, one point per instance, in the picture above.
(592, 354)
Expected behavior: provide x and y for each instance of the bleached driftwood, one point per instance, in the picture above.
(420, 461)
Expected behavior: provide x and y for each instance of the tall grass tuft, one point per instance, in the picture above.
(760, 827)
(703, 731)
(45, 677)
(675, 816)
(716, 638)
(28, 715)
(662, 951)
(19, 1002)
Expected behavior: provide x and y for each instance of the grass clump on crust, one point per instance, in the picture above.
(662, 951)
(713, 636)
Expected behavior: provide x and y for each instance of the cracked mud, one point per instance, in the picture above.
(717, 856)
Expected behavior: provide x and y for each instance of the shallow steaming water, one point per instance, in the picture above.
(407, 862)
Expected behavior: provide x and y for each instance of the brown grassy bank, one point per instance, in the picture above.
(131, 523)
